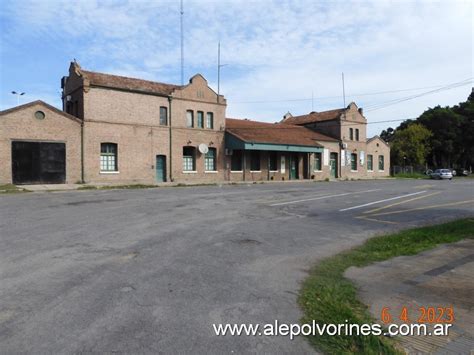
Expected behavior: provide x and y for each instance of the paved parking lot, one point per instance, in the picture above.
(152, 270)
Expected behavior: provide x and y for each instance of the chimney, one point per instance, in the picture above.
(361, 111)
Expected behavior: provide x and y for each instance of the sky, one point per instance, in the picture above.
(278, 56)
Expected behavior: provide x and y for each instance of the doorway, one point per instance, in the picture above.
(160, 168)
(333, 165)
(293, 167)
(38, 163)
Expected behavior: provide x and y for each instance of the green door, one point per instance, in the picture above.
(333, 165)
(293, 168)
(160, 168)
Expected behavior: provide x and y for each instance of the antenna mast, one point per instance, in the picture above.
(343, 91)
(218, 69)
(182, 44)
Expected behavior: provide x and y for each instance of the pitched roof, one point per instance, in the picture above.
(125, 83)
(41, 103)
(274, 133)
(314, 117)
(377, 137)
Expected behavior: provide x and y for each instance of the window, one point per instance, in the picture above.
(351, 134)
(354, 162)
(370, 162)
(189, 159)
(381, 162)
(163, 116)
(255, 161)
(108, 157)
(210, 120)
(272, 161)
(200, 119)
(236, 161)
(357, 134)
(210, 160)
(317, 161)
(189, 119)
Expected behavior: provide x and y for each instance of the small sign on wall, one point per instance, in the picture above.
(326, 157)
(343, 155)
(283, 164)
(362, 157)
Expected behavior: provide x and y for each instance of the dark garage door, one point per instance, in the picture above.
(38, 163)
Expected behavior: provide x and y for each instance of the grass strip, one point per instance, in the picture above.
(11, 189)
(327, 296)
(411, 176)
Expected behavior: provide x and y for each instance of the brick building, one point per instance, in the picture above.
(138, 131)
(115, 129)
(355, 156)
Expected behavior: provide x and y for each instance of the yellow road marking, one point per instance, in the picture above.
(401, 202)
(375, 220)
(425, 208)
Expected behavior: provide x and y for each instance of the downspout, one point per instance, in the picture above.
(170, 99)
(82, 152)
(244, 165)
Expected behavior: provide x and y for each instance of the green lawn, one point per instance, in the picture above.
(327, 296)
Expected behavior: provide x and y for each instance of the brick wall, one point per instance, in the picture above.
(21, 124)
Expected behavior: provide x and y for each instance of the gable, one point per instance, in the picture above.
(34, 106)
(198, 89)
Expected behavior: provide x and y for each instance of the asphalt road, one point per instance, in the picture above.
(151, 270)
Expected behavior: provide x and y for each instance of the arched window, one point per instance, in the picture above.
(108, 157)
(189, 159)
(210, 160)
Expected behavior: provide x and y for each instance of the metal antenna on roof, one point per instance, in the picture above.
(182, 44)
(219, 66)
(343, 91)
(312, 101)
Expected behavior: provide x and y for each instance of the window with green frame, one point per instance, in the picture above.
(354, 161)
(210, 160)
(189, 119)
(210, 120)
(163, 115)
(370, 162)
(381, 163)
(189, 159)
(200, 119)
(108, 157)
(317, 161)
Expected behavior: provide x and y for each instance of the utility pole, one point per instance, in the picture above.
(343, 91)
(182, 44)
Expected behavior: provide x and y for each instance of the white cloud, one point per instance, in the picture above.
(274, 49)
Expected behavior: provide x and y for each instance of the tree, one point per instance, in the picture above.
(387, 134)
(411, 143)
(445, 126)
(466, 110)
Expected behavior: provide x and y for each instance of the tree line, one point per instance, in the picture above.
(441, 137)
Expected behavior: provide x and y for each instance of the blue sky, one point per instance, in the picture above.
(278, 54)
